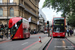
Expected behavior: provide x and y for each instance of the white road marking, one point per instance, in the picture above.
(59, 39)
(25, 43)
(66, 47)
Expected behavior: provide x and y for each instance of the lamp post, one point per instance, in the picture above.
(48, 28)
(7, 18)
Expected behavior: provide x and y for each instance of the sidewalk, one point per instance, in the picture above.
(37, 34)
(4, 39)
(71, 39)
(39, 46)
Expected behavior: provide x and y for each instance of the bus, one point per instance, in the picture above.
(19, 28)
(58, 27)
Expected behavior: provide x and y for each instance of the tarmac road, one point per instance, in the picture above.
(21, 44)
(60, 44)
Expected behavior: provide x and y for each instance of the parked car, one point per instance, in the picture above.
(45, 32)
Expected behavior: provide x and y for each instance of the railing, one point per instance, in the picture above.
(33, 21)
(8, 3)
(40, 23)
(5, 17)
(27, 10)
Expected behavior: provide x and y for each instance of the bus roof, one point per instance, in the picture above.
(58, 17)
(14, 20)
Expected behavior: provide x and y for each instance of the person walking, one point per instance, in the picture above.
(34, 32)
(68, 32)
(1, 35)
(71, 32)
(5, 28)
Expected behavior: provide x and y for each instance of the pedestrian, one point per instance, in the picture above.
(5, 28)
(29, 29)
(71, 32)
(31, 32)
(34, 31)
(1, 35)
(68, 32)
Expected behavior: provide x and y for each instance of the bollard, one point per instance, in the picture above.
(40, 39)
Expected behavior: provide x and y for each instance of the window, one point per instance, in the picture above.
(1, 12)
(25, 30)
(11, 1)
(58, 28)
(15, 27)
(11, 12)
(0, 1)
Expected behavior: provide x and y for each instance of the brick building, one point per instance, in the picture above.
(17, 8)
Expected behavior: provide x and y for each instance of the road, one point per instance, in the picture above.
(21, 44)
(60, 44)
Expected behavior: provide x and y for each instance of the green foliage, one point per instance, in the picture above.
(71, 20)
(65, 6)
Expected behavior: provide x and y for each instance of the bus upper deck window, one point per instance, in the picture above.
(15, 25)
(10, 24)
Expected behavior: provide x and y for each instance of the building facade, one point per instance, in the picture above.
(20, 8)
(42, 20)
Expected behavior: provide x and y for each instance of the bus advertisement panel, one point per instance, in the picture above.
(58, 27)
(18, 28)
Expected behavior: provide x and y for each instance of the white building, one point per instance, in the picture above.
(42, 20)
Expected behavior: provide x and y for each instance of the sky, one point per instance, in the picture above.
(49, 12)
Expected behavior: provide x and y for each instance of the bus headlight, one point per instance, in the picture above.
(53, 33)
(63, 33)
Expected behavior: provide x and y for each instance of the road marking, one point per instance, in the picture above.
(5, 41)
(31, 44)
(59, 39)
(70, 43)
(66, 47)
(25, 43)
(49, 43)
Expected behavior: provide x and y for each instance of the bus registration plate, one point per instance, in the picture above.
(58, 35)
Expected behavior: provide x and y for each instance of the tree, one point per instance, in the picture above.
(71, 20)
(65, 6)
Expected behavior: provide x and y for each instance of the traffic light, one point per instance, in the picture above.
(47, 22)
(48, 28)
(68, 23)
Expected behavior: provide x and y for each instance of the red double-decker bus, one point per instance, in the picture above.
(19, 28)
(58, 27)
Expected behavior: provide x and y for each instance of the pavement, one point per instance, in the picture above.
(40, 46)
(4, 39)
(71, 38)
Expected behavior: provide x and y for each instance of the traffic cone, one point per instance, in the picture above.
(40, 39)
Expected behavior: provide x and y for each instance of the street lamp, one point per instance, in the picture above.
(7, 18)
(48, 29)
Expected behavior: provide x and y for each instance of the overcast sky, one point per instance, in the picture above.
(49, 12)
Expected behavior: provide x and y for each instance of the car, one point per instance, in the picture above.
(45, 32)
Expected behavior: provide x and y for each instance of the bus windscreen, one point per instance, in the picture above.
(15, 28)
(58, 25)
(58, 29)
